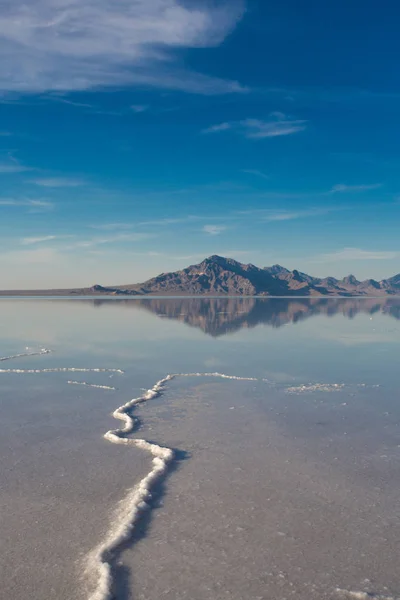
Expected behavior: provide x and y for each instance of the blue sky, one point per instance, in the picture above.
(139, 136)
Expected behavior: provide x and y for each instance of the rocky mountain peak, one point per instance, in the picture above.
(350, 280)
(394, 281)
(219, 261)
(276, 270)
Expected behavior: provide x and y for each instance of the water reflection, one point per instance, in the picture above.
(220, 316)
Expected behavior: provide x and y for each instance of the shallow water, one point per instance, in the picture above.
(285, 486)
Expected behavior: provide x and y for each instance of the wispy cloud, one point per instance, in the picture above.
(162, 222)
(114, 239)
(255, 172)
(37, 240)
(279, 214)
(34, 205)
(257, 129)
(286, 215)
(317, 194)
(218, 128)
(139, 108)
(57, 182)
(13, 166)
(214, 229)
(58, 98)
(215, 224)
(111, 226)
(67, 243)
(28, 241)
(171, 220)
(290, 215)
(277, 125)
(45, 204)
(342, 188)
(81, 44)
(357, 254)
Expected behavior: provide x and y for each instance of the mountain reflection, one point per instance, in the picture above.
(221, 316)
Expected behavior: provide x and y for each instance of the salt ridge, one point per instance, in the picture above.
(62, 370)
(24, 354)
(316, 387)
(325, 387)
(93, 385)
(135, 503)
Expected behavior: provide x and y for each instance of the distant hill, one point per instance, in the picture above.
(219, 276)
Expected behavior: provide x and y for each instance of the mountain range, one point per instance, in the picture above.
(217, 275)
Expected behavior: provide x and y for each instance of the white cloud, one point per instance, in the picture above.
(37, 240)
(114, 239)
(111, 226)
(38, 204)
(343, 188)
(357, 254)
(255, 172)
(281, 214)
(277, 125)
(81, 44)
(171, 221)
(33, 204)
(9, 168)
(11, 202)
(56, 182)
(58, 98)
(139, 108)
(218, 128)
(277, 114)
(257, 129)
(213, 229)
(41, 239)
(289, 215)
(13, 166)
(161, 222)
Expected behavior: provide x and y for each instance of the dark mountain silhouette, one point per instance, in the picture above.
(217, 275)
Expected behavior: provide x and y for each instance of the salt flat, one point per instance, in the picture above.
(284, 481)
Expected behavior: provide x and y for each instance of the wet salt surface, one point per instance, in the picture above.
(256, 511)
(59, 483)
(274, 492)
